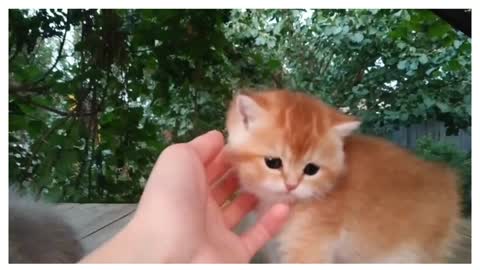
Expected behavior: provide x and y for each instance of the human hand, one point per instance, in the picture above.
(180, 219)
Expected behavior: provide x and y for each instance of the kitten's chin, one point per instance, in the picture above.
(279, 198)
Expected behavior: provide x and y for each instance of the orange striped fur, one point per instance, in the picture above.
(369, 202)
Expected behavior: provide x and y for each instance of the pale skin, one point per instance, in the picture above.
(180, 218)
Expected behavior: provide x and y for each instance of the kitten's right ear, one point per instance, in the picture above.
(250, 112)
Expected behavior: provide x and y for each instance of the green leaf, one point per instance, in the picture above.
(274, 64)
(37, 125)
(454, 65)
(278, 27)
(430, 70)
(413, 66)
(270, 43)
(398, 13)
(457, 44)
(259, 40)
(438, 30)
(443, 107)
(402, 64)
(428, 102)
(423, 59)
(357, 37)
(401, 45)
(17, 122)
(359, 91)
(337, 30)
(54, 194)
(328, 30)
(410, 72)
(64, 165)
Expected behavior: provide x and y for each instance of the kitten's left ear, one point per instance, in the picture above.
(346, 128)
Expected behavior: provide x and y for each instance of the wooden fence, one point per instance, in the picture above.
(408, 136)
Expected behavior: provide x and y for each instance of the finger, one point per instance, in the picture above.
(264, 230)
(208, 145)
(240, 207)
(225, 189)
(169, 177)
(218, 167)
(171, 161)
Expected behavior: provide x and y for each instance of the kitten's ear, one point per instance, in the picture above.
(344, 125)
(346, 128)
(248, 109)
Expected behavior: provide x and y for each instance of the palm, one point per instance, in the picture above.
(220, 243)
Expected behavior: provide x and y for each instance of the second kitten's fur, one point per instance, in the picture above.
(355, 198)
(37, 235)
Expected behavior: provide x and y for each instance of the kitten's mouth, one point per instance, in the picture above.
(273, 194)
(286, 195)
(290, 188)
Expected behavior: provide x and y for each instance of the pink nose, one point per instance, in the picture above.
(291, 187)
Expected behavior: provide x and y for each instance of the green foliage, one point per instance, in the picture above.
(388, 67)
(88, 113)
(96, 95)
(429, 149)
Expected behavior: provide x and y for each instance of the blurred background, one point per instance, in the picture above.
(96, 95)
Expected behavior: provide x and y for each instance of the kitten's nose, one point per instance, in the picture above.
(291, 187)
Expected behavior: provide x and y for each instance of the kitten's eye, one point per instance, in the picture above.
(310, 169)
(273, 163)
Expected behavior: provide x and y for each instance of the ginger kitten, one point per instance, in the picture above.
(355, 198)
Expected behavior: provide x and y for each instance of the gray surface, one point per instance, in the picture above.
(96, 223)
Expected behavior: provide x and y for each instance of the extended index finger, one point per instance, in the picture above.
(265, 229)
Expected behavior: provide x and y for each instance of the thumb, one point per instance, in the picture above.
(265, 229)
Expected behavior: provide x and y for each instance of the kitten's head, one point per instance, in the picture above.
(286, 145)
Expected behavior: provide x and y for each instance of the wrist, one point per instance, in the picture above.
(129, 245)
